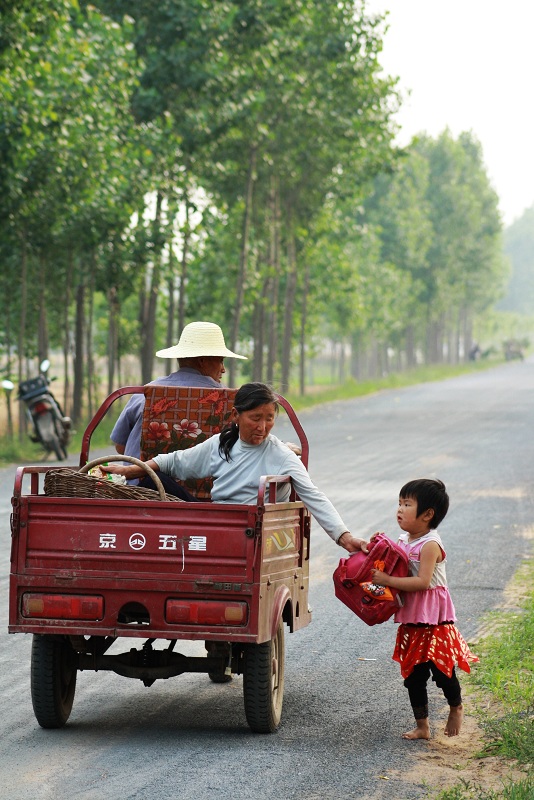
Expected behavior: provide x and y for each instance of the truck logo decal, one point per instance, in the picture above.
(167, 541)
(137, 541)
(197, 543)
(282, 540)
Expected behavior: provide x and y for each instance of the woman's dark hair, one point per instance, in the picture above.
(248, 397)
(428, 493)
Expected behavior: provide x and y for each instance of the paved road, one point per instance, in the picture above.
(187, 738)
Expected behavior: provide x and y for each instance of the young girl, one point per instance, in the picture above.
(428, 642)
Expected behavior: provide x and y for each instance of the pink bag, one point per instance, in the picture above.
(369, 603)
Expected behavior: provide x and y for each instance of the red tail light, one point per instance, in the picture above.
(40, 408)
(205, 612)
(62, 606)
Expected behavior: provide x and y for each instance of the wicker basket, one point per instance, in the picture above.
(67, 482)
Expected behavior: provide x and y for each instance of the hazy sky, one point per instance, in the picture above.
(469, 65)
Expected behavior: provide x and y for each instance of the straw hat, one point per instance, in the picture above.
(199, 339)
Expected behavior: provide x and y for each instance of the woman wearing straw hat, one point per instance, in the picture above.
(200, 352)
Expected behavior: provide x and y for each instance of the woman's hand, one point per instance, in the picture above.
(129, 471)
(351, 544)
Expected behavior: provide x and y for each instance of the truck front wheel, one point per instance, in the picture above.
(53, 680)
(263, 682)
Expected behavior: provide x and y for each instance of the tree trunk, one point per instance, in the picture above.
(183, 266)
(411, 358)
(291, 289)
(356, 357)
(374, 367)
(90, 366)
(259, 335)
(169, 336)
(22, 328)
(148, 313)
(66, 334)
(42, 334)
(274, 281)
(342, 362)
(467, 330)
(113, 335)
(77, 394)
(303, 322)
(243, 262)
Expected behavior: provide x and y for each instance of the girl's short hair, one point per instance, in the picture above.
(248, 397)
(428, 493)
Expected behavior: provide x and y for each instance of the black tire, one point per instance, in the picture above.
(62, 452)
(224, 651)
(219, 676)
(53, 680)
(263, 683)
(47, 433)
(57, 449)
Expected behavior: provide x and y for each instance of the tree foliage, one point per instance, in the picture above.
(231, 161)
(519, 247)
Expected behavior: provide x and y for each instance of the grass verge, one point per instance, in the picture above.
(504, 685)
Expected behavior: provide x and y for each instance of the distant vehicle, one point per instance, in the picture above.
(513, 349)
(50, 426)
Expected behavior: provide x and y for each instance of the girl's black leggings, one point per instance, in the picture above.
(416, 684)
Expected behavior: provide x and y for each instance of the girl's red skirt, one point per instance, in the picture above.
(443, 644)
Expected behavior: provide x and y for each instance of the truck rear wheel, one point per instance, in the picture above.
(224, 652)
(53, 680)
(263, 682)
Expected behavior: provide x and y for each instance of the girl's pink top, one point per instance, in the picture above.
(429, 606)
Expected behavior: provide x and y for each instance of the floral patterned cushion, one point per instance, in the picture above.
(175, 418)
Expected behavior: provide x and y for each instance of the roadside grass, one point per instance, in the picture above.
(504, 686)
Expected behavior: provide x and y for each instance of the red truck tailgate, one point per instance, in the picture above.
(106, 537)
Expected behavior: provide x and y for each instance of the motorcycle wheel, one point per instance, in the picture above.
(63, 439)
(47, 433)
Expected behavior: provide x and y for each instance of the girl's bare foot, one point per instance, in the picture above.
(454, 723)
(421, 732)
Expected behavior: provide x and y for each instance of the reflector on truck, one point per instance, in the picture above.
(205, 612)
(62, 606)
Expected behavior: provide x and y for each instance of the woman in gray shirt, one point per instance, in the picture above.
(241, 454)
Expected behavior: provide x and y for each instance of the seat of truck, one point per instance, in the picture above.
(179, 417)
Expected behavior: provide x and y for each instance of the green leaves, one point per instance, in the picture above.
(260, 127)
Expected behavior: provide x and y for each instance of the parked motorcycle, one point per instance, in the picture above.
(50, 426)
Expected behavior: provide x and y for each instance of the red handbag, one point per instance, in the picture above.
(350, 576)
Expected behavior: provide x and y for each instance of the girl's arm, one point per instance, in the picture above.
(130, 471)
(430, 555)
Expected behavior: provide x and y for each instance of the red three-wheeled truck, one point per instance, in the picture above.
(100, 574)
